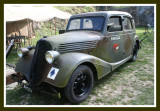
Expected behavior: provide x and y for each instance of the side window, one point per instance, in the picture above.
(114, 24)
(127, 23)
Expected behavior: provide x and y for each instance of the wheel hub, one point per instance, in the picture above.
(80, 84)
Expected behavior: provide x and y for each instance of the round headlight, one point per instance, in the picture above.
(51, 56)
(19, 52)
(22, 52)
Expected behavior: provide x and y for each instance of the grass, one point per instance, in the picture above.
(12, 57)
(130, 84)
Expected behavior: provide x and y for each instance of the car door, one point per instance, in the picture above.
(129, 35)
(118, 39)
(112, 44)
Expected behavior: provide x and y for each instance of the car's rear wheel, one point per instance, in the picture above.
(135, 53)
(79, 85)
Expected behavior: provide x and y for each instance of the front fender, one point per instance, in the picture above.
(24, 64)
(68, 62)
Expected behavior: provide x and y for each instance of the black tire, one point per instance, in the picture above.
(135, 53)
(79, 85)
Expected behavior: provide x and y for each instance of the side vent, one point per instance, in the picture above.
(77, 46)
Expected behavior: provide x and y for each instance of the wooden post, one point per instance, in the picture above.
(31, 24)
(28, 33)
(11, 45)
(51, 27)
(55, 25)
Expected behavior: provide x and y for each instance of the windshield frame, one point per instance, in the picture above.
(85, 29)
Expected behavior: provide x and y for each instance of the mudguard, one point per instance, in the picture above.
(24, 64)
(68, 62)
(65, 65)
(136, 40)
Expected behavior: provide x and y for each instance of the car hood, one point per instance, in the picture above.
(74, 40)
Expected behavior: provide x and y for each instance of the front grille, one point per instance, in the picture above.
(77, 46)
(39, 63)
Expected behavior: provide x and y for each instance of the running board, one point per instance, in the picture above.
(117, 64)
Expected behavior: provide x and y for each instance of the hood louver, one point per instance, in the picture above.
(77, 46)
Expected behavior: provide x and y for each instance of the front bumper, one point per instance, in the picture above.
(43, 87)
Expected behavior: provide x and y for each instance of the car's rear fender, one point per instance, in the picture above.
(136, 41)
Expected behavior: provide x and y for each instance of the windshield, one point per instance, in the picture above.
(86, 23)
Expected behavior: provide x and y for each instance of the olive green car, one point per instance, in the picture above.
(93, 45)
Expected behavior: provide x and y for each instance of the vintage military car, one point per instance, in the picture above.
(93, 45)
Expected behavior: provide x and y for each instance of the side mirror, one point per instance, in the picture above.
(61, 31)
(45, 36)
(112, 28)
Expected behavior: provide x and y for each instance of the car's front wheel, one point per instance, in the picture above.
(79, 85)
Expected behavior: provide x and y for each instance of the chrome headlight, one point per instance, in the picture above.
(22, 52)
(51, 56)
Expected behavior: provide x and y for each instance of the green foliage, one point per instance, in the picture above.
(89, 9)
(12, 57)
(76, 9)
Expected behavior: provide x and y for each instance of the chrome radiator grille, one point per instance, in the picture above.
(39, 63)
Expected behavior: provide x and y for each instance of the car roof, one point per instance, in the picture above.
(101, 13)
